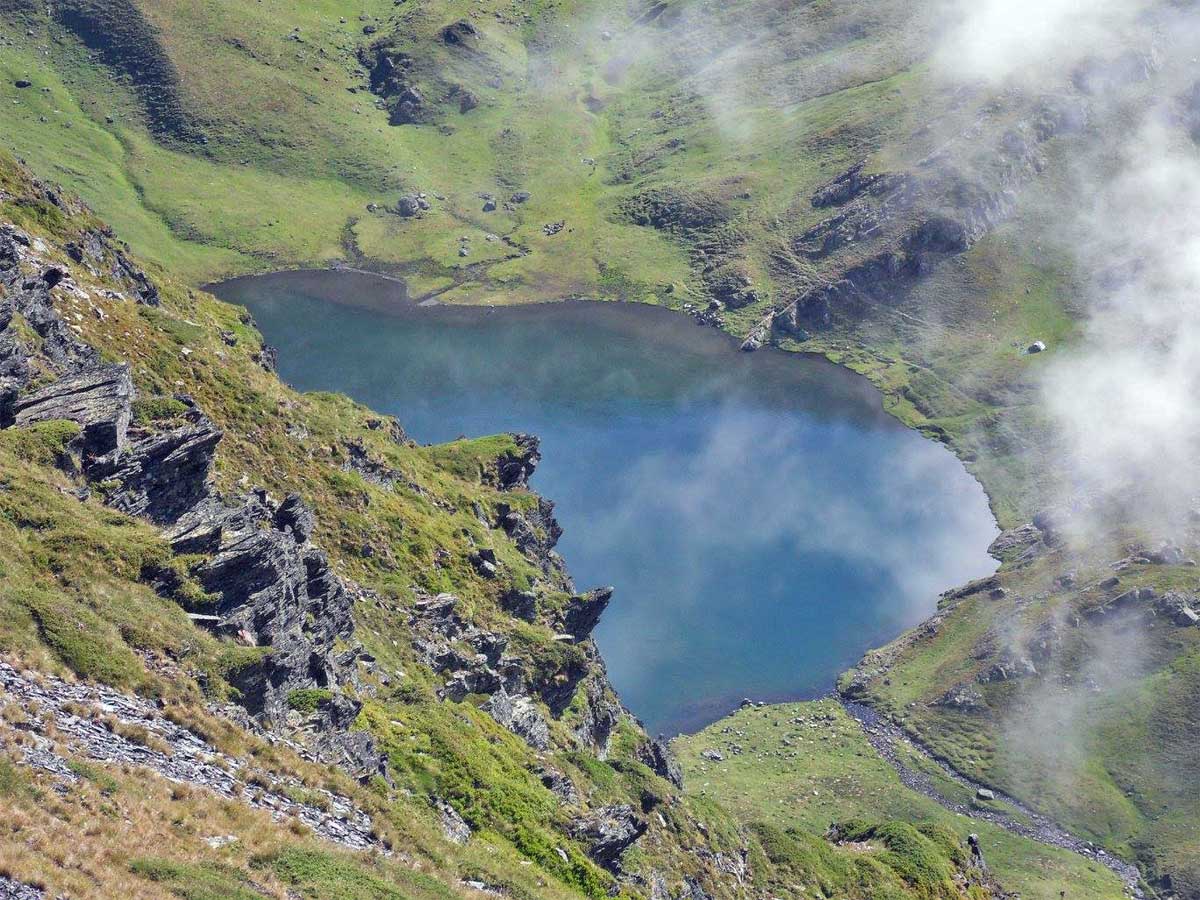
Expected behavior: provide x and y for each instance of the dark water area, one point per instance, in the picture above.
(763, 521)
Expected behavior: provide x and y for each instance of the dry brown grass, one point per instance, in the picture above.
(82, 844)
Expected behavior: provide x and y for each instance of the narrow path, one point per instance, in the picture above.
(884, 736)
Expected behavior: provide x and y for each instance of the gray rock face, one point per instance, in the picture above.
(512, 470)
(521, 716)
(535, 532)
(391, 78)
(658, 756)
(560, 785)
(276, 591)
(161, 476)
(454, 827)
(603, 711)
(850, 184)
(98, 400)
(582, 613)
(15, 890)
(607, 832)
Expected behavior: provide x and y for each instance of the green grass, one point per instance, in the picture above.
(780, 104)
(827, 772)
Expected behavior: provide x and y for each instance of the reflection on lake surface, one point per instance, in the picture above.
(762, 520)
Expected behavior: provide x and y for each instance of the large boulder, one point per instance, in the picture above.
(98, 400)
(521, 716)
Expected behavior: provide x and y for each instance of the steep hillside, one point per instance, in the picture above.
(261, 644)
(811, 174)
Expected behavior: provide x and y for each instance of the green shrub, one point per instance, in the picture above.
(306, 700)
(97, 776)
(196, 882)
(12, 781)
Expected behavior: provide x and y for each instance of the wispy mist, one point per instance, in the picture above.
(1030, 41)
(1125, 398)
(1120, 398)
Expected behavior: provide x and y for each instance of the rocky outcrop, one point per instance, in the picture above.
(1175, 607)
(512, 470)
(475, 662)
(607, 832)
(853, 182)
(892, 228)
(521, 716)
(582, 613)
(160, 476)
(677, 208)
(392, 77)
(273, 588)
(97, 400)
(963, 698)
(535, 532)
(560, 785)
(658, 756)
(454, 827)
(1009, 666)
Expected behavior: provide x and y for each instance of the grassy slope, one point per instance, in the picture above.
(1119, 697)
(73, 601)
(745, 104)
(288, 170)
(804, 765)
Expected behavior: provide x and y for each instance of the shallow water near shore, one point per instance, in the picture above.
(763, 521)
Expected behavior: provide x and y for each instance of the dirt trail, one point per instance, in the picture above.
(884, 736)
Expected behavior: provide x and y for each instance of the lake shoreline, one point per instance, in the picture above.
(748, 494)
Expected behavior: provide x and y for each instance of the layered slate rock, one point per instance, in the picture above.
(97, 400)
(275, 589)
(161, 476)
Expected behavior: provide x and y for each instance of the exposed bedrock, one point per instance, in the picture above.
(607, 833)
(273, 586)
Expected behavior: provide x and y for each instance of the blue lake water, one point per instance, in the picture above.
(762, 520)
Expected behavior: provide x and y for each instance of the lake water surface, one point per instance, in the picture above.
(763, 521)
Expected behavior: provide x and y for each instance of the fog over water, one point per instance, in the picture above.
(763, 521)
